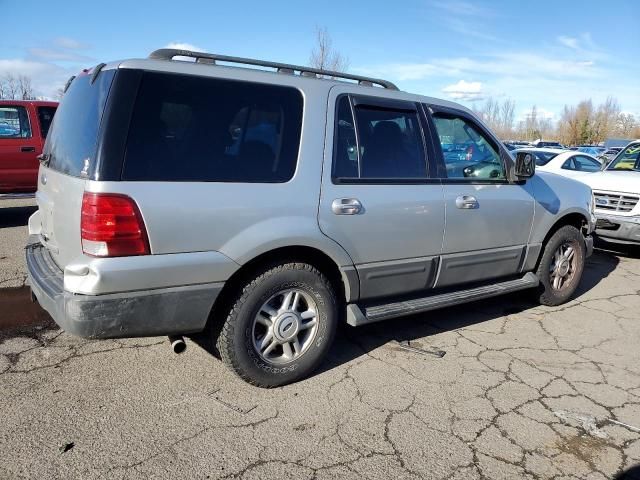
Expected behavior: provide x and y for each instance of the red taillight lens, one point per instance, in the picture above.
(112, 226)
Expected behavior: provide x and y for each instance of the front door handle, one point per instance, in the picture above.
(27, 149)
(467, 202)
(346, 206)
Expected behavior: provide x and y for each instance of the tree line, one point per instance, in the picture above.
(16, 87)
(581, 124)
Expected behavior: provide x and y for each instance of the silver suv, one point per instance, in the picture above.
(260, 204)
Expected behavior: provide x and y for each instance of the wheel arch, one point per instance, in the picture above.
(575, 219)
(343, 278)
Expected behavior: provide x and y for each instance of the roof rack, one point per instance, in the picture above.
(212, 58)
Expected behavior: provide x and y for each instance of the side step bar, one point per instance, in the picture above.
(357, 315)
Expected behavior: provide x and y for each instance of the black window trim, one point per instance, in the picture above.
(382, 103)
(26, 109)
(505, 157)
(38, 109)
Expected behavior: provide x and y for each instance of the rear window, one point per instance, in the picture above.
(45, 116)
(189, 128)
(72, 137)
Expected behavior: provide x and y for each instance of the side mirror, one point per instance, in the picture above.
(525, 165)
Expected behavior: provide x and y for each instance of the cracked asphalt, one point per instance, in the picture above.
(523, 391)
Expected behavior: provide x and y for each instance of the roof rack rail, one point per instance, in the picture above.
(211, 58)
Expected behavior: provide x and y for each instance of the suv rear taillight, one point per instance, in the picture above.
(112, 226)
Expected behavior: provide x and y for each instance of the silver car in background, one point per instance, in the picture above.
(260, 207)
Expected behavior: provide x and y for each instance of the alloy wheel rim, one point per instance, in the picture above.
(285, 326)
(563, 266)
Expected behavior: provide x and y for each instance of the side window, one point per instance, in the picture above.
(14, 122)
(382, 143)
(45, 116)
(569, 165)
(467, 152)
(345, 156)
(188, 128)
(586, 164)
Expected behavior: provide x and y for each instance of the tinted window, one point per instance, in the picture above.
(345, 164)
(467, 151)
(542, 158)
(389, 143)
(45, 116)
(581, 163)
(188, 128)
(71, 141)
(14, 122)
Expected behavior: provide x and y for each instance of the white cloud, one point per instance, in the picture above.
(570, 42)
(464, 90)
(52, 54)
(46, 77)
(459, 7)
(69, 43)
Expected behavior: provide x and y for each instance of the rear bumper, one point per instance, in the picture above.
(617, 228)
(162, 311)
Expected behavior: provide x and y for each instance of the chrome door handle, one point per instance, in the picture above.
(346, 206)
(467, 202)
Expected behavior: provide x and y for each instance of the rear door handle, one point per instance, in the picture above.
(346, 206)
(467, 202)
(27, 149)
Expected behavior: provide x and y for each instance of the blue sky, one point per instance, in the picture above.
(543, 53)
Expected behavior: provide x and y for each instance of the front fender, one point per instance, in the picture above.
(556, 197)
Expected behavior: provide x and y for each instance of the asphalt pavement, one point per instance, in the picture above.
(522, 391)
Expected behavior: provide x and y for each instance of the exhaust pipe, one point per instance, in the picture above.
(178, 344)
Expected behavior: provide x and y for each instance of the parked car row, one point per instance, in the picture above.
(615, 184)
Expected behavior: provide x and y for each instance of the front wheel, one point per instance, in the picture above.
(561, 266)
(280, 326)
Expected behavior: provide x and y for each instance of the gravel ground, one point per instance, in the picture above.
(523, 391)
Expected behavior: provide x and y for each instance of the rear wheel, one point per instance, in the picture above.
(561, 266)
(280, 326)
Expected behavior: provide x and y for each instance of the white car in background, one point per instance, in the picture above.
(568, 163)
(616, 192)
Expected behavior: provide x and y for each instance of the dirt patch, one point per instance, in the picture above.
(17, 309)
(583, 447)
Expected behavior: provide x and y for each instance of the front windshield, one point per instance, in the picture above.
(628, 159)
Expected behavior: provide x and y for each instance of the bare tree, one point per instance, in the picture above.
(25, 89)
(625, 123)
(498, 116)
(9, 88)
(323, 56)
(507, 117)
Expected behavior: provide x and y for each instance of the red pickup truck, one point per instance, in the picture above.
(23, 128)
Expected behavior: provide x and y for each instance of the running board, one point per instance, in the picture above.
(357, 315)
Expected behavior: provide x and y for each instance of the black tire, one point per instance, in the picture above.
(235, 342)
(547, 294)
